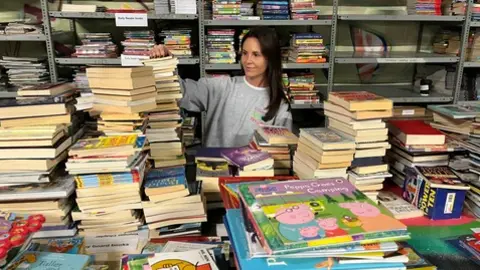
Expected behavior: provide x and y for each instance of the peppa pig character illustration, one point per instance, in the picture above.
(298, 223)
(351, 221)
(371, 217)
(331, 227)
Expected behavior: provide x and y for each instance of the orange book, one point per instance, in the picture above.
(360, 101)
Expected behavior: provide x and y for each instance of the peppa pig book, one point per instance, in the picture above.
(303, 214)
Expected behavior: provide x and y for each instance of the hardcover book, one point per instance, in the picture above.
(414, 132)
(360, 101)
(332, 212)
(327, 139)
(246, 158)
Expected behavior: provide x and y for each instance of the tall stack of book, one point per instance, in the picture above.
(220, 46)
(164, 121)
(96, 45)
(226, 9)
(359, 115)
(23, 71)
(277, 10)
(322, 153)
(303, 10)
(301, 89)
(307, 48)
(138, 42)
(172, 203)
(276, 141)
(331, 210)
(121, 123)
(178, 42)
(108, 172)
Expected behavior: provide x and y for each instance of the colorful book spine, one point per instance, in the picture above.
(107, 179)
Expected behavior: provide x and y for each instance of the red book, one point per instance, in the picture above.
(415, 132)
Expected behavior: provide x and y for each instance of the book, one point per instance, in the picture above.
(273, 210)
(357, 115)
(327, 139)
(210, 154)
(61, 187)
(415, 259)
(457, 111)
(165, 180)
(415, 132)
(195, 259)
(360, 101)
(397, 206)
(47, 89)
(277, 135)
(47, 260)
(246, 158)
(108, 145)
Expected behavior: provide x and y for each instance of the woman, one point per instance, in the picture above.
(236, 107)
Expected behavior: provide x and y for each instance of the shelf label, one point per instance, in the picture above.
(131, 19)
(133, 60)
(401, 60)
(408, 112)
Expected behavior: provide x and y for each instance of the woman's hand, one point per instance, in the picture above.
(159, 51)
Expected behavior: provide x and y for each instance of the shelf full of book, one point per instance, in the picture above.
(412, 18)
(112, 61)
(267, 22)
(105, 15)
(393, 57)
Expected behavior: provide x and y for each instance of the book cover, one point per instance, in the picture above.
(413, 127)
(244, 156)
(311, 213)
(442, 177)
(210, 153)
(106, 179)
(327, 138)
(236, 230)
(61, 187)
(360, 100)
(51, 261)
(194, 259)
(277, 135)
(165, 177)
(415, 259)
(457, 111)
(73, 245)
(133, 140)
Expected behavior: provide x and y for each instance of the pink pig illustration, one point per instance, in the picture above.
(371, 217)
(331, 227)
(298, 223)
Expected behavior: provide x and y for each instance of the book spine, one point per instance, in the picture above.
(100, 180)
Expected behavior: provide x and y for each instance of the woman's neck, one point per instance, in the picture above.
(258, 81)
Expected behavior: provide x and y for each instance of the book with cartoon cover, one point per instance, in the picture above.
(304, 214)
(193, 259)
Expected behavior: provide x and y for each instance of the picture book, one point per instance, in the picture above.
(397, 206)
(332, 212)
(47, 260)
(135, 261)
(236, 230)
(246, 157)
(165, 177)
(415, 259)
(277, 135)
(210, 154)
(327, 139)
(360, 101)
(194, 259)
(457, 111)
(73, 245)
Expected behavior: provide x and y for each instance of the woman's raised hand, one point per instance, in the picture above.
(159, 51)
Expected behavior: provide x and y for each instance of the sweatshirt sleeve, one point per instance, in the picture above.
(198, 95)
(284, 117)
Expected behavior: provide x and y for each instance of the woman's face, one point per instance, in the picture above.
(253, 62)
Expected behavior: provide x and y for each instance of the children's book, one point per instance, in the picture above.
(73, 245)
(135, 262)
(236, 230)
(210, 154)
(304, 214)
(415, 259)
(277, 135)
(194, 259)
(247, 158)
(47, 260)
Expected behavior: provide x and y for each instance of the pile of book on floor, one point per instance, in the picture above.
(275, 141)
(322, 153)
(301, 89)
(108, 172)
(273, 11)
(220, 46)
(226, 9)
(164, 121)
(96, 45)
(138, 42)
(303, 10)
(334, 215)
(18, 28)
(178, 42)
(424, 7)
(307, 48)
(359, 115)
(85, 100)
(173, 206)
(23, 71)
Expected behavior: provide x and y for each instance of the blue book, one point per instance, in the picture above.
(167, 177)
(235, 225)
(50, 261)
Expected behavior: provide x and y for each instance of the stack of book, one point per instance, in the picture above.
(108, 173)
(121, 123)
(322, 153)
(460, 119)
(303, 10)
(301, 89)
(85, 100)
(162, 6)
(172, 203)
(178, 42)
(248, 161)
(226, 9)
(187, 134)
(276, 141)
(23, 71)
(19, 28)
(424, 7)
(307, 48)
(334, 216)
(359, 115)
(138, 42)
(273, 11)
(246, 9)
(220, 46)
(122, 90)
(183, 6)
(96, 45)
(163, 121)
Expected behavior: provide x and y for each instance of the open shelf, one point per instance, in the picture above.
(471, 64)
(111, 61)
(284, 65)
(475, 24)
(393, 57)
(105, 15)
(371, 17)
(24, 37)
(397, 93)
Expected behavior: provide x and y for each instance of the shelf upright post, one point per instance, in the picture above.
(49, 41)
(333, 41)
(462, 52)
(201, 39)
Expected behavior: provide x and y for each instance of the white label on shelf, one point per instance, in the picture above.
(133, 60)
(408, 112)
(131, 19)
(401, 60)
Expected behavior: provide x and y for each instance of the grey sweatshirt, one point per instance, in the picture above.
(234, 109)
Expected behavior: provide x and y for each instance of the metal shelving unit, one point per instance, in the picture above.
(26, 37)
(393, 57)
(112, 61)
